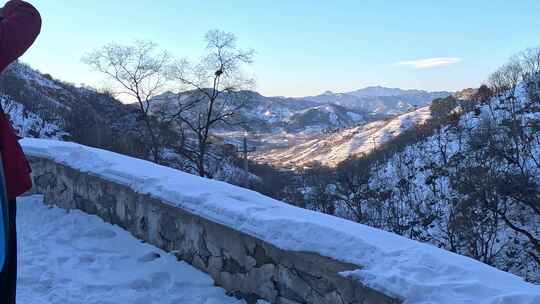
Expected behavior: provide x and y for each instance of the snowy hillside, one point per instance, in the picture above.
(469, 181)
(331, 149)
(28, 124)
(42, 106)
(320, 119)
(441, 170)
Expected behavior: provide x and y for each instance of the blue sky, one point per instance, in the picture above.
(304, 47)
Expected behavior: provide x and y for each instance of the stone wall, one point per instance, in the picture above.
(245, 266)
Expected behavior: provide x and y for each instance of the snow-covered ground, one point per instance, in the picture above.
(75, 258)
(416, 272)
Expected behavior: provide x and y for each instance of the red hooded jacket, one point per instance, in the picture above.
(19, 28)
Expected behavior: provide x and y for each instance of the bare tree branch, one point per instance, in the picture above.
(139, 71)
(207, 88)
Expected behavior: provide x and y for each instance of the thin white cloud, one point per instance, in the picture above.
(430, 62)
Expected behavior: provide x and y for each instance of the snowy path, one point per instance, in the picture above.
(74, 258)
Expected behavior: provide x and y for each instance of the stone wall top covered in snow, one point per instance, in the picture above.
(267, 248)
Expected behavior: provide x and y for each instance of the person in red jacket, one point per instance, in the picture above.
(20, 24)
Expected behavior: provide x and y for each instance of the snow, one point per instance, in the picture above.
(433, 194)
(74, 258)
(417, 272)
(29, 124)
(332, 149)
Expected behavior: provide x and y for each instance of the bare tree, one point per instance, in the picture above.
(531, 62)
(138, 72)
(210, 93)
(320, 190)
(507, 78)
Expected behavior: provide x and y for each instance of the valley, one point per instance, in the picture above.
(393, 163)
(278, 152)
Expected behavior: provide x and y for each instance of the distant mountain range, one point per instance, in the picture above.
(333, 148)
(315, 114)
(327, 128)
(380, 100)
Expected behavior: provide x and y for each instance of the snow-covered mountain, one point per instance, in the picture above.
(269, 115)
(468, 180)
(327, 128)
(379, 91)
(41, 106)
(323, 118)
(333, 148)
(327, 111)
(380, 100)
